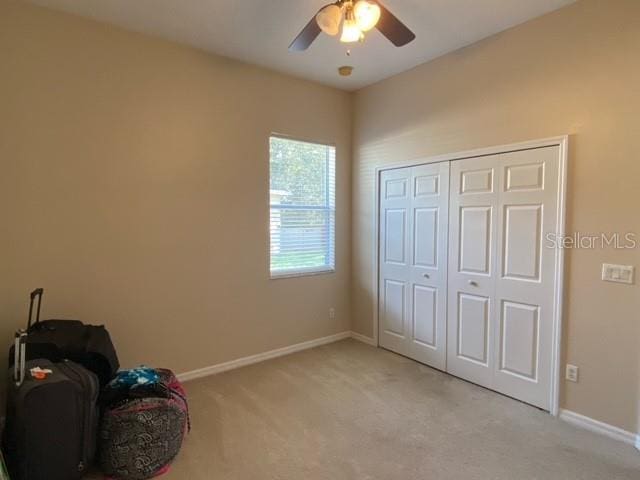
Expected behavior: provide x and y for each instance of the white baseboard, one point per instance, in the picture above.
(600, 427)
(260, 357)
(364, 339)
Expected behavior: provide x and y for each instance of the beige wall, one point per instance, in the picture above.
(134, 182)
(134, 188)
(575, 71)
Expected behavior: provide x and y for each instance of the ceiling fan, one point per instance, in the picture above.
(356, 17)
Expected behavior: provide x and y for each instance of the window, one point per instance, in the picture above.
(303, 209)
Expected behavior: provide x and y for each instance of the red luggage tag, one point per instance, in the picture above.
(40, 373)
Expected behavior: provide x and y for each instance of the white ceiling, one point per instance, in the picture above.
(259, 31)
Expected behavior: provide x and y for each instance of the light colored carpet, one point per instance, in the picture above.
(350, 411)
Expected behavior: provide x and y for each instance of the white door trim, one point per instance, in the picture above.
(563, 143)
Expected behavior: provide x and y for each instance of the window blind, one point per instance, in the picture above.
(302, 201)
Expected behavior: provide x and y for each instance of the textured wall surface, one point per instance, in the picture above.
(134, 182)
(574, 71)
(134, 189)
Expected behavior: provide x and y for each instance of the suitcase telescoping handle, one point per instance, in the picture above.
(36, 294)
(20, 357)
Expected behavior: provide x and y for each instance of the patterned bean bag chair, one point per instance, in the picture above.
(143, 426)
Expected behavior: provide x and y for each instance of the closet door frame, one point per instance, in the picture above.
(563, 143)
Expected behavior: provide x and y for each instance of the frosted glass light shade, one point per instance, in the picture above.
(350, 32)
(329, 19)
(367, 14)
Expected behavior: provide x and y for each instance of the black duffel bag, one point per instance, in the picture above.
(59, 340)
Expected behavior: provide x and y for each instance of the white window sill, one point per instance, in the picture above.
(301, 273)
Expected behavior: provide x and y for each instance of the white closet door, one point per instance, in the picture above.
(501, 277)
(526, 278)
(413, 269)
(395, 205)
(472, 267)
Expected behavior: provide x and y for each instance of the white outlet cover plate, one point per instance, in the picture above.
(572, 373)
(617, 273)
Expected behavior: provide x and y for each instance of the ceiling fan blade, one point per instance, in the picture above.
(306, 37)
(392, 28)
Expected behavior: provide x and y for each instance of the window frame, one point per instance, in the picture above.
(304, 271)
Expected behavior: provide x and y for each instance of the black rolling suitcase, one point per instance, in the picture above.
(52, 418)
(57, 340)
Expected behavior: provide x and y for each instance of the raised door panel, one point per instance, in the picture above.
(426, 184)
(425, 241)
(395, 188)
(519, 328)
(473, 328)
(476, 181)
(395, 235)
(425, 315)
(522, 245)
(475, 239)
(393, 318)
(522, 177)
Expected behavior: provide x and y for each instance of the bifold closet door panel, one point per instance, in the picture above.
(472, 269)
(395, 205)
(526, 279)
(413, 268)
(429, 225)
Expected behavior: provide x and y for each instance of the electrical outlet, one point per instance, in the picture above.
(572, 373)
(332, 313)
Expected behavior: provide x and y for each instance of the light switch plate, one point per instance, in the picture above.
(617, 273)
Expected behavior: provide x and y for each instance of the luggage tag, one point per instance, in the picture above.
(40, 373)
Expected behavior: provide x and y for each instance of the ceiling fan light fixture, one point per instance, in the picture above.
(350, 31)
(340, 19)
(329, 19)
(367, 14)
